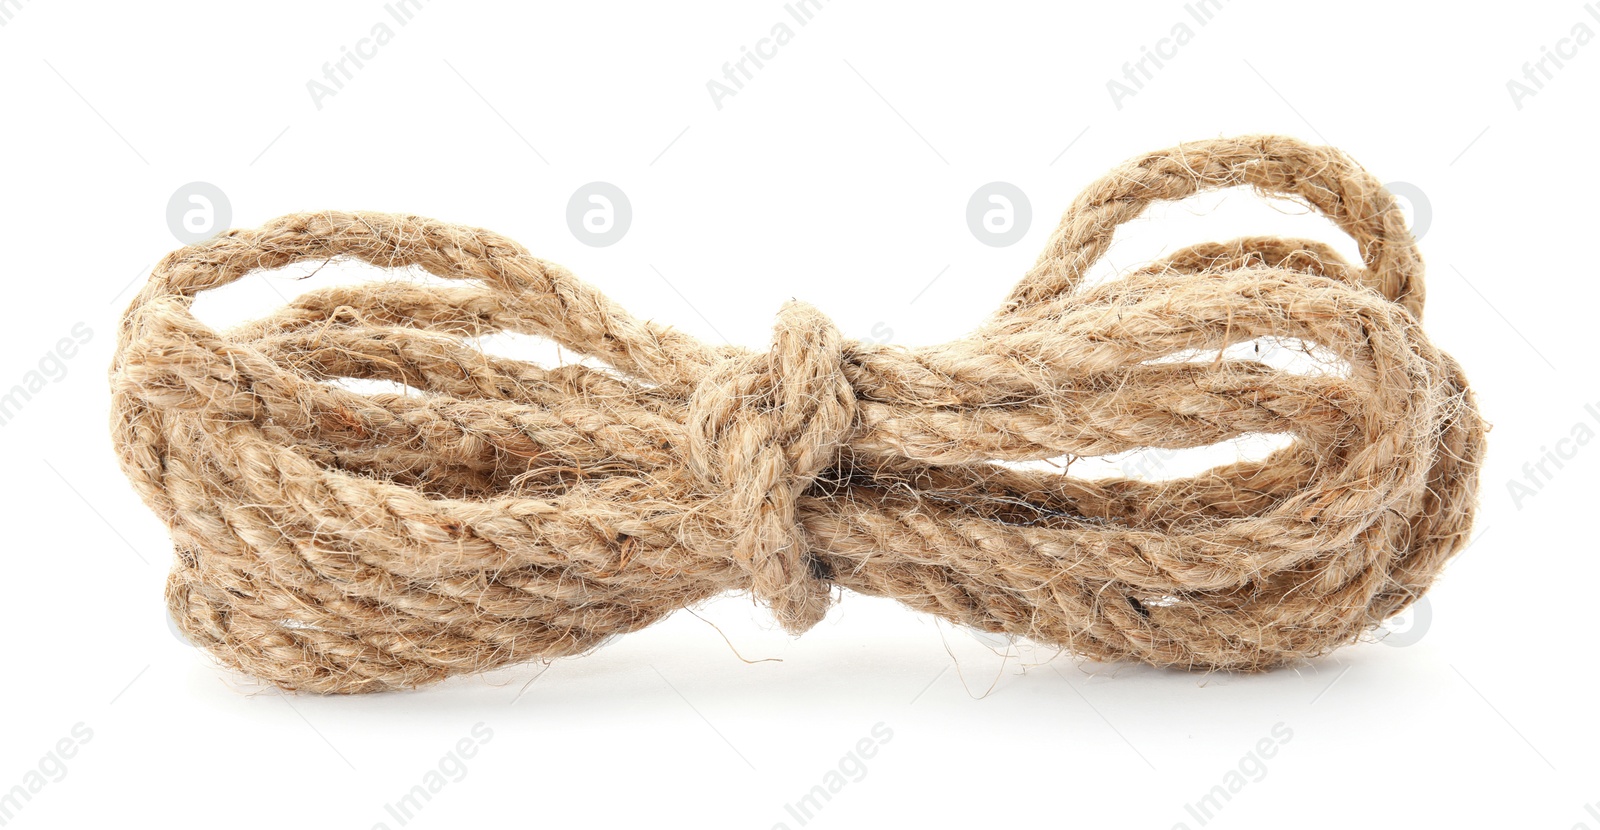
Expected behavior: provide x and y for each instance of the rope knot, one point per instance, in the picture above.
(762, 427)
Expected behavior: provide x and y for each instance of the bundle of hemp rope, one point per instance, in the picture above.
(498, 512)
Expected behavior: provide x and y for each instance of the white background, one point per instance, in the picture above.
(839, 174)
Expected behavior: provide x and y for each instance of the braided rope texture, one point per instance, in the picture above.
(338, 542)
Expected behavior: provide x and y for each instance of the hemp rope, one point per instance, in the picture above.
(332, 541)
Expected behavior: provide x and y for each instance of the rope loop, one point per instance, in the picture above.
(335, 541)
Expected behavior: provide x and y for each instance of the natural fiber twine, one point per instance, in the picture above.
(340, 542)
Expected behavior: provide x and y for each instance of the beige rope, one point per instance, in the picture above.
(340, 542)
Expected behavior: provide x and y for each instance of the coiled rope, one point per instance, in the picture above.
(333, 541)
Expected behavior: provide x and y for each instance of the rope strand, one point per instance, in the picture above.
(338, 542)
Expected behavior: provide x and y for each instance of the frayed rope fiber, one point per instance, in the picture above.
(332, 541)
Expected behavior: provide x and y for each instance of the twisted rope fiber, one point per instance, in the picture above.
(332, 541)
